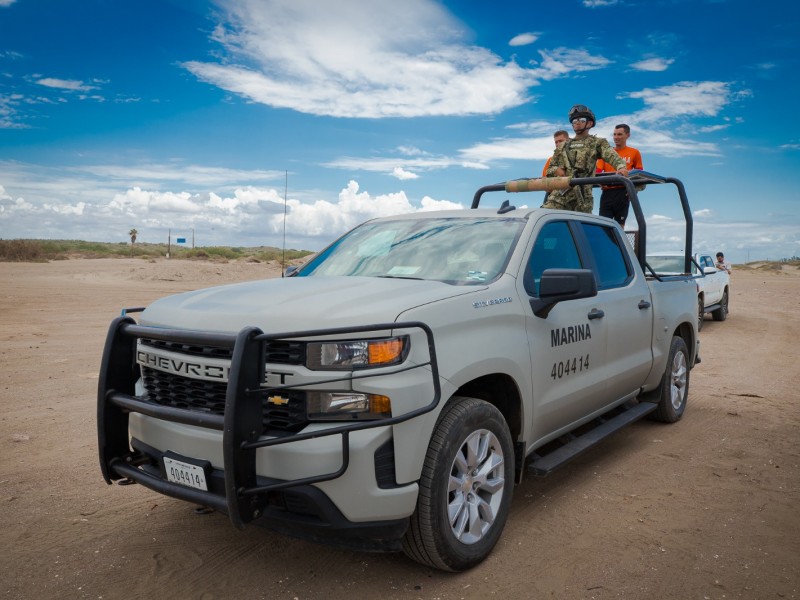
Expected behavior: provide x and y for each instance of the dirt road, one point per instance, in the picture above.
(706, 508)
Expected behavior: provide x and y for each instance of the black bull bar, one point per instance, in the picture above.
(244, 499)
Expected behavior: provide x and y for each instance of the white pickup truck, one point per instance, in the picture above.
(713, 284)
(389, 394)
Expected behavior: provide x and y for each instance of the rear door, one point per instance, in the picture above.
(628, 310)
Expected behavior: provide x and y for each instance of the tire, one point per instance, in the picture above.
(465, 488)
(700, 313)
(673, 391)
(722, 312)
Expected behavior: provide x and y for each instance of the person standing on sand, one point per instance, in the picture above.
(722, 264)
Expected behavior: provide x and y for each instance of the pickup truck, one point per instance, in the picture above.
(389, 393)
(713, 284)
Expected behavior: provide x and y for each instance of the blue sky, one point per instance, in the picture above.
(194, 115)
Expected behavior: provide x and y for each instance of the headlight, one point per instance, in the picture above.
(355, 354)
(326, 406)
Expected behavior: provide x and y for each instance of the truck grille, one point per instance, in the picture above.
(179, 391)
(280, 352)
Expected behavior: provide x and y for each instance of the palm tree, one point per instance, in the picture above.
(133, 233)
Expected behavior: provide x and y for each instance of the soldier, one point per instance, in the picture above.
(577, 158)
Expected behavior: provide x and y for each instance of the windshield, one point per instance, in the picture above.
(455, 250)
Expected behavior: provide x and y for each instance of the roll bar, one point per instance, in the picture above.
(548, 184)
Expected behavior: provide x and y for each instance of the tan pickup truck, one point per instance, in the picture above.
(388, 394)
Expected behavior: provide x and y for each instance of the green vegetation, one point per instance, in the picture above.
(47, 250)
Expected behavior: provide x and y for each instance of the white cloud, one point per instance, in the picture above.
(687, 98)
(653, 64)
(535, 127)
(524, 39)
(393, 60)
(429, 203)
(9, 205)
(138, 201)
(193, 175)
(402, 174)
(65, 84)
(246, 199)
(713, 128)
(424, 162)
(59, 200)
(9, 111)
(411, 151)
(655, 133)
(599, 3)
(738, 239)
(665, 143)
(66, 209)
(253, 216)
(6, 3)
(530, 149)
(326, 219)
(563, 61)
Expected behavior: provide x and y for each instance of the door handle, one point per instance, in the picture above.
(596, 314)
(644, 304)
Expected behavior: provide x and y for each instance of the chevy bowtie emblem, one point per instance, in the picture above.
(279, 400)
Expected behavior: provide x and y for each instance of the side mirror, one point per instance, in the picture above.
(291, 271)
(709, 270)
(558, 285)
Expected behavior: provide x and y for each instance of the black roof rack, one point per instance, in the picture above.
(635, 178)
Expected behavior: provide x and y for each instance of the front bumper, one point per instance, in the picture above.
(239, 489)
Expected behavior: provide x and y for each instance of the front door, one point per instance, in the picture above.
(568, 348)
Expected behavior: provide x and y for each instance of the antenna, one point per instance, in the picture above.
(285, 191)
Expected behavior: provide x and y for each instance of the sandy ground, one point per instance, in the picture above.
(706, 508)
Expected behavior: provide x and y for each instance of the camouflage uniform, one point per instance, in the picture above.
(578, 158)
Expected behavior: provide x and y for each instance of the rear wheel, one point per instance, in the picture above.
(465, 488)
(722, 312)
(672, 392)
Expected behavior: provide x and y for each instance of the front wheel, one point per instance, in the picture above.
(465, 488)
(722, 312)
(672, 392)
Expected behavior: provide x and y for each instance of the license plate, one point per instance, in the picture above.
(185, 473)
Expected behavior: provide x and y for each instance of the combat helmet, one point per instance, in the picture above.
(581, 110)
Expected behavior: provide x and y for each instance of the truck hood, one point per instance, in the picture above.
(297, 303)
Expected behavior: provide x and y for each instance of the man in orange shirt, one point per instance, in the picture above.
(614, 202)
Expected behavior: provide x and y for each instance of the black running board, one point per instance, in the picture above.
(543, 465)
